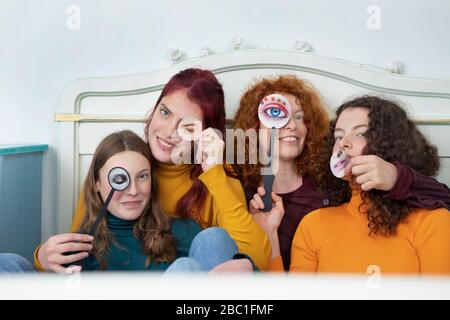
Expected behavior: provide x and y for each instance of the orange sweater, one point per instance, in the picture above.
(336, 239)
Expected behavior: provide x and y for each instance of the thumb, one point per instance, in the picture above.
(278, 202)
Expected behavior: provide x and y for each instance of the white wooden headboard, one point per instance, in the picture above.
(94, 107)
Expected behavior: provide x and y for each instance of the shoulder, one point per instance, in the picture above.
(426, 220)
(321, 216)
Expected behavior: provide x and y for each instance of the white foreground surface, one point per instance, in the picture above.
(225, 286)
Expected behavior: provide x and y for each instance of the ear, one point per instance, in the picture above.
(97, 186)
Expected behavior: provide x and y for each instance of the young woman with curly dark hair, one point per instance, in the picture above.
(301, 181)
(371, 231)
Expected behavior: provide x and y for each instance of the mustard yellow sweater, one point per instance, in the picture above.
(337, 240)
(225, 207)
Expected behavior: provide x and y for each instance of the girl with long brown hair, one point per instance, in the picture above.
(136, 234)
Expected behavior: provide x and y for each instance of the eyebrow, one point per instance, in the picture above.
(144, 170)
(354, 128)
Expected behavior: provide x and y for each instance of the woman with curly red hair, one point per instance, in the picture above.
(301, 181)
(368, 231)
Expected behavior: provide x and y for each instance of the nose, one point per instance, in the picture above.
(345, 144)
(132, 188)
(170, 130)
(291, 124)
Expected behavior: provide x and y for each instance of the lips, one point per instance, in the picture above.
(340, 164)
(163, 144)
(132, 204)
(289, 139)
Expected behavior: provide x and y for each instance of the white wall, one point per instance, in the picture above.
(39, 54)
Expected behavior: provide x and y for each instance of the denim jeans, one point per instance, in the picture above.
(13, 263)
(209, 248)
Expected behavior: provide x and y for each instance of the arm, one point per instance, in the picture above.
(399, 181)
(49, 253)
(231, 213)
(420, 191)
(268, 221)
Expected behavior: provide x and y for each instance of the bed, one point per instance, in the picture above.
(91, 108)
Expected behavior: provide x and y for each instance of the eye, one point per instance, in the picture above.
(361, 134)
(164, 113)
(144, 176)
(337, 138)
(275, 111)
(299, 116)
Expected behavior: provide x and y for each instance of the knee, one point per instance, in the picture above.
(184, 264)
(211, 235)
(10, 262)
(212, 247)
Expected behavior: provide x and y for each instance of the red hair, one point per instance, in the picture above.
(315, 117)
(203, 89)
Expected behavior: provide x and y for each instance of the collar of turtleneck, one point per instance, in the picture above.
(357, 206)
(120, 226)
(171, 170)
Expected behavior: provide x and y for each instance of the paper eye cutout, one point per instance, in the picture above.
(274, 111)
(118, 178)
(190, 129)
(338, 162)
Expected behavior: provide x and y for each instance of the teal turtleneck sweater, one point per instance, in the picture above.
(126, 252)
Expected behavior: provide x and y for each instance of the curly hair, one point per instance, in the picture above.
(315, 118)
(393, 137)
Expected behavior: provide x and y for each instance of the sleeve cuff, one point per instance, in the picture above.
(37, 264)
(403, 185)
(276, 264)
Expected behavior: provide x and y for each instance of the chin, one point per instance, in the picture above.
(131, 214)
(289, 156)
(159, 154)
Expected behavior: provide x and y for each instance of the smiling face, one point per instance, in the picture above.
(162, 131)
(130, 203)
(349, 136)
(293, 134)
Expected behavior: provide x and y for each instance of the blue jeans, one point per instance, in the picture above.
(210, 247)
(13, 263)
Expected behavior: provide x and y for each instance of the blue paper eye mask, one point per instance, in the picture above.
(274, 111)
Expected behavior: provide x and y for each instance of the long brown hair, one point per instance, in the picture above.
(393, 137)
(152, 227)
(315, 118)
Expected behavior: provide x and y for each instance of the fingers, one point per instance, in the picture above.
(254, 205)
(259, 202)
(74, 246)
(61, 259)
(261, 191)
(363, 178)
(71, 269)
(71, 237)
(368, 186)
(278, 202)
